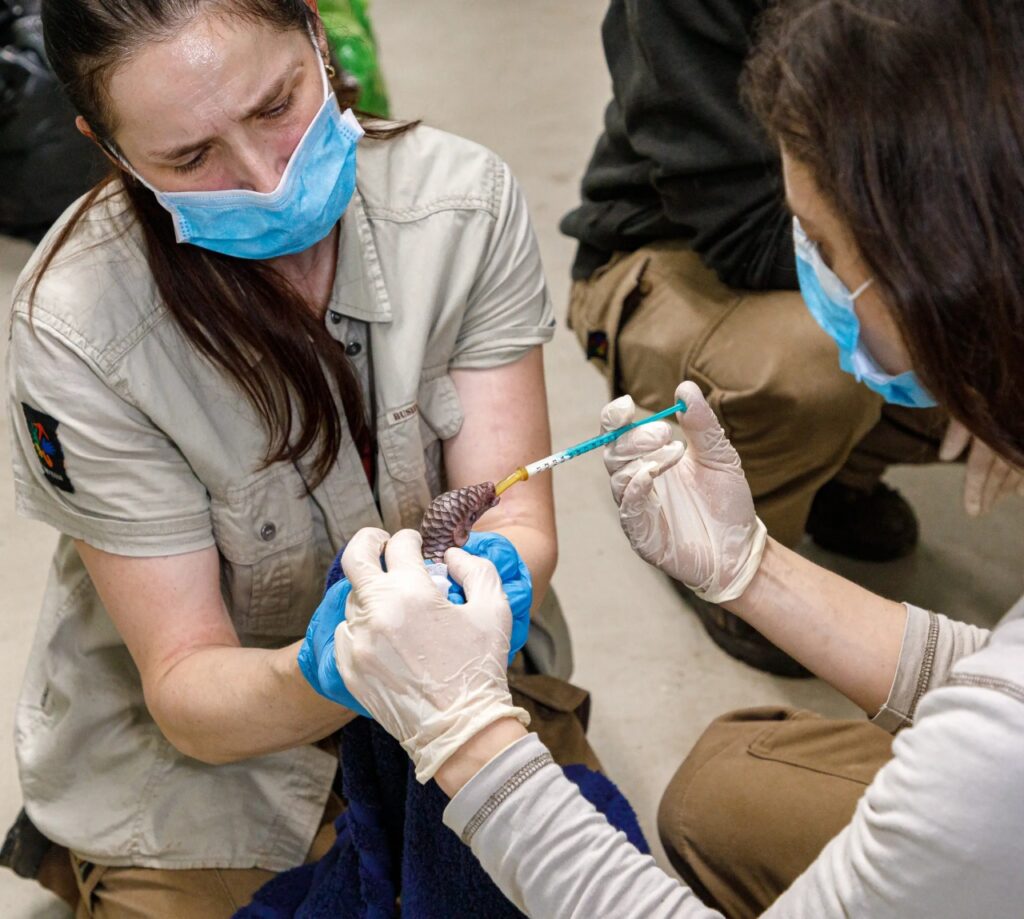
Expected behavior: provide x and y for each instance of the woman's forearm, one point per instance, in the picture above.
(506, 424)
(846, 635)
(551, 852)
(223, 704)
(214, 700)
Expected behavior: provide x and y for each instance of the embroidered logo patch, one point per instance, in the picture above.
(597, 347)
(43, 430)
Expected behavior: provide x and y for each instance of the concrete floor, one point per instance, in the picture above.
(528, 80)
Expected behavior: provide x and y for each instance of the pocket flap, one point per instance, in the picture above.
(440, 407)
(264, 516)
(846, 749)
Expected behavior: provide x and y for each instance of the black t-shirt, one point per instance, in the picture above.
(680, 158)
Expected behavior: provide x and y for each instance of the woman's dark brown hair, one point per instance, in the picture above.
(909, 115)
(228, 308)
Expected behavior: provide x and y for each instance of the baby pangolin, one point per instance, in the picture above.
(451, 516)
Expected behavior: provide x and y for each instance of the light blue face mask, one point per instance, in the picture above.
(832, 305)
(313, 193)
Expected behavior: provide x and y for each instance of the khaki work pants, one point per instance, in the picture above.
(652, 318)
(558, 710)
(759, 797)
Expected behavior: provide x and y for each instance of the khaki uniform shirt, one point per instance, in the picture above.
(126, 438)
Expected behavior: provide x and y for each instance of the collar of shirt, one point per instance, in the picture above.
(359, 291)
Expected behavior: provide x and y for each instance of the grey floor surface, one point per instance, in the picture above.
(528, 80)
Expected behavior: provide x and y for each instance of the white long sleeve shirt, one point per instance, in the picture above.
(938, 833)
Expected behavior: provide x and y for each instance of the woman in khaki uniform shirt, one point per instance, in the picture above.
(207, 430)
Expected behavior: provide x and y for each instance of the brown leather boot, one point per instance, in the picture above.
(875, 526)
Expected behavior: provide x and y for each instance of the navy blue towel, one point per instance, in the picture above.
(393, 844)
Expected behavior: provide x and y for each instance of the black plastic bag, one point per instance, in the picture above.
(45, 164)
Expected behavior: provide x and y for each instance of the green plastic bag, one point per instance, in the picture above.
(351, 37)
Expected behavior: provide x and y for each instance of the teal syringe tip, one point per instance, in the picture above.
(680, 406)
(603, 440)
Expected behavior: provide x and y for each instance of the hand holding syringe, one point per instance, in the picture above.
(451, 516)
(556, 459)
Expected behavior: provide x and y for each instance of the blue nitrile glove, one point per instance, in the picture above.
(515, 580)
(316, 656)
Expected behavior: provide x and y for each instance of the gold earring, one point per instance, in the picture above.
(331, 72)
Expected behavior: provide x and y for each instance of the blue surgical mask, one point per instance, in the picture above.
(314, 191)
(832, 305)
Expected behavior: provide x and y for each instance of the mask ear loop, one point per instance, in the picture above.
(863, 287)
(803, 239)
(126, 168)
(327, 70)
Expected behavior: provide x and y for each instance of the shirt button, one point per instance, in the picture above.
(353, 348)
(268, 531)
(336, 317)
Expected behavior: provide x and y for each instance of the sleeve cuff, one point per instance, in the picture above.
(119, 537)
(483, 794)
(913, 672)
(485, 351)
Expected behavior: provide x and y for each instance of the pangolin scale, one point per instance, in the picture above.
(451, 516)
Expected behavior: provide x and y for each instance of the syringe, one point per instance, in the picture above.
(556, 459)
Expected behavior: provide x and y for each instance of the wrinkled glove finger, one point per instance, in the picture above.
(660, 461)
(482, 585)
(639, 515)
(346, 657)
(499, 549)
(702, 430)
(617, 413)
(476, 575)
(361, 559)
(638, 442)
(404, 551)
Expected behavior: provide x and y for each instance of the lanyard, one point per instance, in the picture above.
(373, 448)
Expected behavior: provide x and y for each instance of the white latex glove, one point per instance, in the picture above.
(689, 512)
(988, 477)
(433, 674)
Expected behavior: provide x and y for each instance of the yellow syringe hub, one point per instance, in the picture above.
(520, 475)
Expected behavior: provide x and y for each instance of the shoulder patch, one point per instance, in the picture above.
(43, 430)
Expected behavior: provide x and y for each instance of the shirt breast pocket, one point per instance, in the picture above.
(269, 575)
(410, 439)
